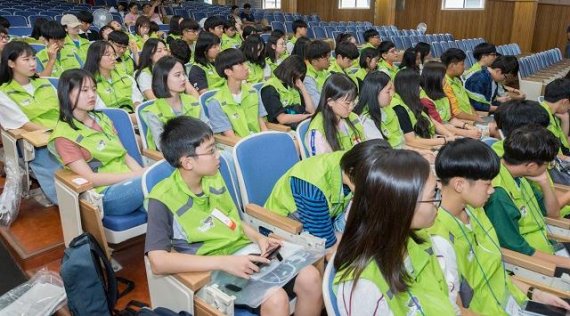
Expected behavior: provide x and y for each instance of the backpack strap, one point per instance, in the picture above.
(99, 255)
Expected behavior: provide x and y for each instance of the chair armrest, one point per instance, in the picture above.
(543, 287)
(226, 140)
(263, 214)
(202, 308)
(528, 262)
(194, 280)
(37, 138)
(153, 154)
(15, 133)
(558, 222)
(560, 238)
(73, 180)
(278, 127)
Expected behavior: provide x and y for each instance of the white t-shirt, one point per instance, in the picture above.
(11, 116)
(144, 81)
(370, 129)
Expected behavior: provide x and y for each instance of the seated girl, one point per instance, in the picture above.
(203, 75)
(153, 50)
(253, 49)
(142, 31)
(368, 62)
(275, 52)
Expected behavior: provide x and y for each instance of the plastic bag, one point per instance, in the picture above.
(42, 295)
(12, 193)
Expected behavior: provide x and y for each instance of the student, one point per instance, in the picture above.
(275, 52)
(125, 63)
(131, 17)
(517, 208)
(203, 75)
(104, 32)
(424, 49)
(189, 30)
(142, 31)
(231, 38)
(248, 30)
(56, 57)
(115, 25)
(418, 129)
(235, 109)
(284, 95)
(4, 38)
(188, 145)
(73, 42)
(334, 126)
(174, 30)
(215, 25)
(317, 191)
(318, 61)
(234, 18)
(151, 12)
(86, 19)
(410, 60)
(368, 63)
(169, 86)
(372, 39)
(153, 50)
(557, 103)
(435, 101)
(461, 108)
(86, 142)
(253, 48)
(465, 240)
(485, 54)
(246, 15)
(483, 85)
(388, 56)
(4, 22)
(29, 103)
(115, 90)
(299, 30)
(36, 36)
(385, 262)
(346, 54)
(345, 38)
(300, 47)
(180, 50)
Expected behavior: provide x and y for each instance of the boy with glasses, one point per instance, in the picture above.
(388, 56)
(125, 63)
(372, 39)
(4, 37)
(485, 54)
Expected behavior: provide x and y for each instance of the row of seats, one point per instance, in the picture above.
(509, 49)
(532, 64)
(437, 48)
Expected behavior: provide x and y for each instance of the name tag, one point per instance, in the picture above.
(224, 219)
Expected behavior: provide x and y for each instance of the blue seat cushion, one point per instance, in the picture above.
(124, 222)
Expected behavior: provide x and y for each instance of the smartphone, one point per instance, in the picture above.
(271, 253)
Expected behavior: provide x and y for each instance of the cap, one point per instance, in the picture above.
(70, 20)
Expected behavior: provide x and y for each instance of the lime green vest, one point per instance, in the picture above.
(273, 64)
(442, 106)
(127, 65)
(554, 126)
(117, 92)
(230, 42)
(244, 117)
(397, 100)
(322, 171)
(391, 126)
(42, 108)
(385, 67)
(66, 59)
(531, 224)
(427, 292)
(288, 96)
(255, 73)
(106, 150)
(138, 40)
(360, 74)
(80, 49)
(214, 80)
(190, 107)
(479, 261)
(461, 94)
(476, 67)
(194, 213)
(335, 68)
(319, 76)
(346, 142)
(367, 45)
(293, 40)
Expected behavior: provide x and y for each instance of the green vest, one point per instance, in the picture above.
(397, 100)
(319, 76)
(42, 108)
(479, 261)
(461, 94)
(195, 213)
(127, 65)
(335, 68)
(230, 42)
(360, 74)
(322, 171)
(345, 141)
(287, 96)
(255, 73)
(427, 292)
(106, 150)
(367, 45)
(273, 64)
(476, 67)
(117, 92)
(554, 126)
(214, 80)
(531, 223)
(441, 105)
(66, 59)
(293, 40)
(80, 48)
(190, 107)
(138, 40)
(388, 69)
(390, 126)
(244, 117)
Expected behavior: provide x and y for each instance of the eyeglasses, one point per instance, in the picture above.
(436, 198)
(212, 152)
(4, 37)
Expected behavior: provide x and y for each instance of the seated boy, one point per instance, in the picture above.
(317, 55)
(557, 103)
(299, 30)
(346, 53)
(372, 39)
(483, 85)
(388, 56)
(235, 109)
(56, 57)
(231, 37)
(485, 54)
(125, 63)
(193, 213)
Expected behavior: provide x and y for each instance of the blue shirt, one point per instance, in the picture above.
(483, 84)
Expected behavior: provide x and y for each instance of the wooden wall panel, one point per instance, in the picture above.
(550, 27)
(328, 11)
(523, 22)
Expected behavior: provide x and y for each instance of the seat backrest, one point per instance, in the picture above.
(204, 97)
(154, 174)
(228, 172)
(54, 81)
(143, 127)
(125, 131)
(260, 160)
(301, 132)
(329, 296)
(20, 31)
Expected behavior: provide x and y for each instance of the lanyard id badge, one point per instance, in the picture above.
(226, 220)
(511, 306)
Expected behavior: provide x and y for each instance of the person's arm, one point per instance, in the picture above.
(541, 296)
(431, 110)
(144, 82)
(564, 123)
(155, 127)
(12, 117)
(136, 95)
(549, 199)
(52, 51)
(454, 103)
(441, 129)
(312, 91)
(105, 178)
(310, 106)
(190, 90)
(262, 125)
(218, 119)
(197, 77)
(317, 143)
(133, 164)
(476, 84)
(410, 137)
(447, 259)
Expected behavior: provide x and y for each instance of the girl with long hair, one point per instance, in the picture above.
(275, 52)
(253, 49)
(153, 50)
(203, 74)
(368, 62)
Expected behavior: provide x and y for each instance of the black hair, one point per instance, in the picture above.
(142, 21)
(507, 64)
(189, 24)
(132, 4)
(384, 47)
(317, 49)
(12, 51)
(530, 143)
(558, 89)
(368, 34)
(300, 47)
(433, 74)
(94, 54)
(180, 50)
(118, 37)
(348, 50)
(247, 6)
(53, 30)
(85, 16)
(409, 60)
(278, 33)
(145, 59)
(466, 158)
(253, 49)
(337, 86)
(452, 56)
(514, 114)
(342, 38)
(174, 25)
(153, 28)
(373, 83)
(299, 24)
(424, 49)
(361, 156)
(229, 24)
(367, 53)
(4, 22)
(206, 40)
(248, 30)
(212, 22)
(291, 69)
(227, 59)
(36, 30)
(407, 86)
(181, 136)
(4, 30)
(269, 50)
(483, 49)
(102, 30)
(70, 80)
(160, 73)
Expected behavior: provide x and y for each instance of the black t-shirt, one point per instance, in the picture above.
(197, 77)
(247, 17)
(272, 103)
(403, 119)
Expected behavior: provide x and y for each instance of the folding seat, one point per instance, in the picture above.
(32, 18)
(342, 28)
(330, 30)
(20, 31)
(17, 20)
(279, 16)
(276, 25)
(406, 42)
(319, 32)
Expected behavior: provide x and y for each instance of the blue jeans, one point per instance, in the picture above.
(123, 198)
(44, 167)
